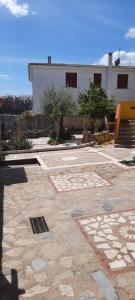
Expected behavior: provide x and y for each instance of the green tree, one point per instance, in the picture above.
(94, 104)
(57, 103)
(85, 113)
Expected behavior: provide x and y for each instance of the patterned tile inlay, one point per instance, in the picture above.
(113, 237)
(76, 181)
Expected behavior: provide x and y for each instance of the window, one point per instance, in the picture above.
(97, 79)
(71, 80)
(122, 81)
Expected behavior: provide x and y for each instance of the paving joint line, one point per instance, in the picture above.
(114, 160)
(41, 162)
(70, 152)
(79, 165)
(107, 156)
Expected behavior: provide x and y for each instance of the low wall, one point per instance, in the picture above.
(38, 122)
(73, 122)
(35, 123)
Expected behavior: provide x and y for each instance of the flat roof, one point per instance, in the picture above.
(86, 66)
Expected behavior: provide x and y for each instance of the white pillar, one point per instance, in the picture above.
(109, 81)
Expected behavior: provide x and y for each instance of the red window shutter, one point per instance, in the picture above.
(71, 79)
(122, 81)
(97, 79)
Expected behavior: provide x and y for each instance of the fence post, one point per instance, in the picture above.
(0, 141)
(2, 157)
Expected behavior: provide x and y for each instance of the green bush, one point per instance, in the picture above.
(17, 143)
(52, 134)
(67, 134)
(52, 142)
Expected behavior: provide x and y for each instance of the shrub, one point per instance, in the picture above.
(52, 142)
(57, 103)
(17, 143)
(67, 134)
(52, 134)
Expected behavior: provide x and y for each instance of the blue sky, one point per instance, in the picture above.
(73, 31)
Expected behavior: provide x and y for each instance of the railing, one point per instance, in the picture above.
(117, 123)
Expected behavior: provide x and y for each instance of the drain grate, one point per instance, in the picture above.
(39, 225)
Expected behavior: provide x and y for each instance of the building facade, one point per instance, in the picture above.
(118, 82)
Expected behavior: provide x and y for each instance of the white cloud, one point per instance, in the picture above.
(5, 76)
(130, 34)
(35, 13)
(15, 8)
(126, 58)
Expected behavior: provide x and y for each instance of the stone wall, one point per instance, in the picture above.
(37, 122)
(74, 122)
(36, 125)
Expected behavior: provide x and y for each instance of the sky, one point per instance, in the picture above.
(73, 31)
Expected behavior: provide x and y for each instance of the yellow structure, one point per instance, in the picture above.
(125, 111)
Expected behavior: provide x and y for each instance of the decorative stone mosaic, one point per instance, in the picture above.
(113, 237)
(74, 181)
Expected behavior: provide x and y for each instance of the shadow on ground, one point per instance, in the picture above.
(9, 290)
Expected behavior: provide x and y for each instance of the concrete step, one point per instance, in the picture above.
(120, 140)
(123, 146)
(127, 126)
(127, 133)
(127, 121)
(126, 130)
(127, 137)
(130, 143)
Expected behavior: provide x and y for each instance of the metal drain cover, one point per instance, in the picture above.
(38, 225)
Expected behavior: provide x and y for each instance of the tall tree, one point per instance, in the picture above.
(15, 104)
(94, 104)
(57, 103)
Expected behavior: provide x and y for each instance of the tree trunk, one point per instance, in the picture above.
(95, 126)
(59, 129)
(85, 129)
(106, 123)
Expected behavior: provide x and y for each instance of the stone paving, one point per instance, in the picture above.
(62, 159)
(119, 153)
(42, 142)
(59, 264)
(113, 236)
(74, 181)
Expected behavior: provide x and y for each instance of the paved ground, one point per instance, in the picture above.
(88, 200)
(42, 142)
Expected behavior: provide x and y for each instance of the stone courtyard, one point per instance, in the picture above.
(87, 198)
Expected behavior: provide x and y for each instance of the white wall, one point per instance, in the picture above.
(123, 94)
(43, 76)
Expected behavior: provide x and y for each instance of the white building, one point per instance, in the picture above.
(118, 82)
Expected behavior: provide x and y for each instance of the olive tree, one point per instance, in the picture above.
(57, 103)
